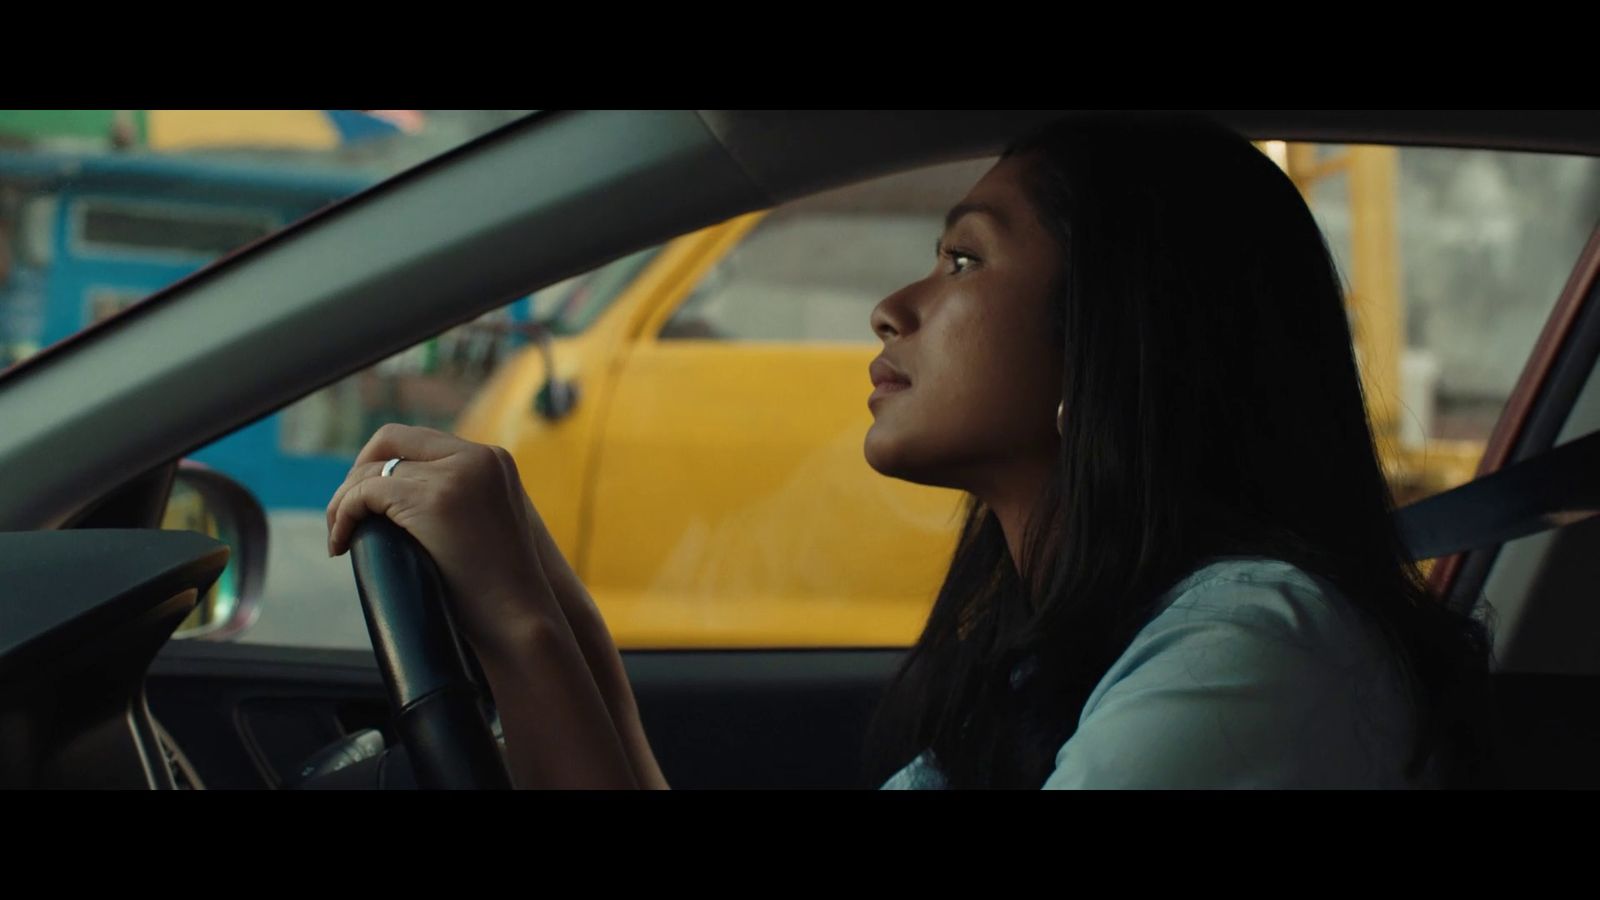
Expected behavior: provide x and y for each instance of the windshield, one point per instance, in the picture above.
(99, 209)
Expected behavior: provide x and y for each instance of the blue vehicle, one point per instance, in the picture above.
(91, 235)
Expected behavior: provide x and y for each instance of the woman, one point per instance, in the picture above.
(1178, 567)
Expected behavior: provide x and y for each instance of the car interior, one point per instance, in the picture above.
(94, 694)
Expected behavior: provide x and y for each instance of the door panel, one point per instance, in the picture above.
(248, 716)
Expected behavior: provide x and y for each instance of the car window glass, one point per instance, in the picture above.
(1453, 260)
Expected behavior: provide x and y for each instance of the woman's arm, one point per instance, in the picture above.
(558, 727)
(599, 651)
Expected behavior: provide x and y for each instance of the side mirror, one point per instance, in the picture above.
(556, 398)
(213, 504)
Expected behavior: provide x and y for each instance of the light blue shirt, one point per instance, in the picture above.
(1250, 674)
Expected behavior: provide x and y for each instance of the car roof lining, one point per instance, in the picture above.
(789, 154)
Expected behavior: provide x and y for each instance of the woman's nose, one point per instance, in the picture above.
(895, 315)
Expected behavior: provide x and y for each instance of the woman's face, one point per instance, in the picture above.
(973, 371)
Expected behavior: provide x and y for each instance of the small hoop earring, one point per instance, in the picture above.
(1060, 418)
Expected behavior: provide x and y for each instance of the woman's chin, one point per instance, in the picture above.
(891, 454)
(881, 451)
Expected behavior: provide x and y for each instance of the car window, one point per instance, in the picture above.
(811, 271)
(1453, 260)
(431, 383)
(571, 306)
(709, 484)
(807, 277)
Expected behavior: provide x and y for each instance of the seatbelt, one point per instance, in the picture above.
(1557, 488)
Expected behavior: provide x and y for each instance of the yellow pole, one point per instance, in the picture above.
(1301, 165)
(1377, 320)
(1375, 283)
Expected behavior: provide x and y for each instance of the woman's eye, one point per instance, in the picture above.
(959, 260)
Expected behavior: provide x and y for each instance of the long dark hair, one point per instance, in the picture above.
(1213, 408)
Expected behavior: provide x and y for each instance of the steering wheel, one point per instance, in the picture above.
(434, 683)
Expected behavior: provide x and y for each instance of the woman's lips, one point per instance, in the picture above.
(885, 389)
(886, 380)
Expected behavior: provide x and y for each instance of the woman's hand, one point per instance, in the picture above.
(464, 504)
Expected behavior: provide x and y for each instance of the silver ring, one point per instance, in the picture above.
(388, 467)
